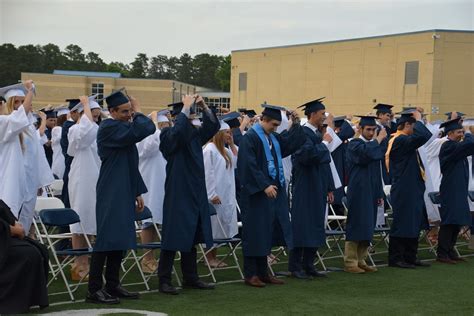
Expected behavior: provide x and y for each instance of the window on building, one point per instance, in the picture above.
(98, 88)
(411, 72)
(243, 81)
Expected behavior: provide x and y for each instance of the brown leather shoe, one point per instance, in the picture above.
(459, 259)
(254, 281)
(272, 280)
(368, 268)
(445, 260)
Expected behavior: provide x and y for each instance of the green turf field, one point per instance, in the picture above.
(438, 290)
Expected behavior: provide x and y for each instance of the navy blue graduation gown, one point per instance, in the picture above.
(384, 145)
(264, 219)
(455, 181)
(186, 217)
(364, 188)
(119, 181)
(64, 142)
(237, 134)
(408, 186)
(339, 157)
(48, 150)
(310, 188)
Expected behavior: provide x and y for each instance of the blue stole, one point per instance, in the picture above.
(268, 153)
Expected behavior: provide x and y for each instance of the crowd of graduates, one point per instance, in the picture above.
(275, 172)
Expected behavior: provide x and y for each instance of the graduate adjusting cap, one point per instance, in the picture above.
(468, 121)
(115, 99)
(249, 113)
(92, 104)
(15, 90)
(383, 108)
(367, 120)
(163, 112)
(406, 116)
(72, 103)
(224, 126)
(452, 125)
(232, 119)
(273, 111)
(162, 119)
(312, 106)
(62, 110)
(448, 114)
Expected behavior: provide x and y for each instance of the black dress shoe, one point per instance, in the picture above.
(200, 285)
(121, 292)
(101, 297)
(299, 275)
(419, 263)
(316, 274)
(401, 264)
(167, 289)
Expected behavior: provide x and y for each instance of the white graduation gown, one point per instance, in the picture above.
(58, 166)
(12, 167)
(37, 171)
(471, 181)
(152, 166)
(433, 179)
(220, 181)
(84, 173)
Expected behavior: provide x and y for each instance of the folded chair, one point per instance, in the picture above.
(50, 219)
(231, 243)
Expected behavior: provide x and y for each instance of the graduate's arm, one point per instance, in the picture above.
(12, 125)
(291, 140)
(117, 134)
(310, 153)
(455, 151)
(363, 153)
(237, 135)
(42, 127)
(251, 176)
(210, 126)
(420, 136)
(171, 138)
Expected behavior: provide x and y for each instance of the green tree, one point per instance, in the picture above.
(116, 66)
(95, 63)
(204, 70)
(76, 60)
(139, 67)
(53, 58)
(184, 69)
(223, 73)
(9, 72)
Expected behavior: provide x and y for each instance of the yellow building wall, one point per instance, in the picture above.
(353, 75)
(152, 94)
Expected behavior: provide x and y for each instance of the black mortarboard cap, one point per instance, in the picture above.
(312, 106)
(338, 120)
(232, 119)
(406, 115)
(366, 120)
(273, 111)
(452, 125)
(50, 113)
(115, 99)
(448, 114)
(72, 103)
(383, 108)
(176, 108)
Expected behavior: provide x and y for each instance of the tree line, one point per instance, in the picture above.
(205, 70)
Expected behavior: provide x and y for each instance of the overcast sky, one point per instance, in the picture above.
(118, 30)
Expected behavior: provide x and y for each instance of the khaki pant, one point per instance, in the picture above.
(355, 253)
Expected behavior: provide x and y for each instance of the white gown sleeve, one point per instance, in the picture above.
(81, 135)
(56, 135)
(336, 141)
(208, 154)
(150, 146)
(12, 125)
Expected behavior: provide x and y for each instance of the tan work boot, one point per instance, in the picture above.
(355, 270)
(367, 268)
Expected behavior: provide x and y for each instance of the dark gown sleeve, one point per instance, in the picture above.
(237, 134)
(310, 153)
(210, 126)
(346, 131)
(251, 176)
(6, 219)
(172, 138)
(363, 153)
(118, 134)
(331, 185)
(420, 136)
(291, 140)
(454, 151)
